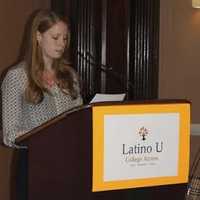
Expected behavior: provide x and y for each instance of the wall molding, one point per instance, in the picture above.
(195, 129)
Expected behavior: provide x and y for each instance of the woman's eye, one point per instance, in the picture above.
(55, 38)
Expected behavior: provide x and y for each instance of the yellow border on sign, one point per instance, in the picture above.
(98, 148)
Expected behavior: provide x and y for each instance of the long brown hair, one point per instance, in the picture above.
(42, 21)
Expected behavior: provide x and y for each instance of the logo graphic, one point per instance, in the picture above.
(143, 132)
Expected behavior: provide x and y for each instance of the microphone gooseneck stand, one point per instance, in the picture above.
(87, 57)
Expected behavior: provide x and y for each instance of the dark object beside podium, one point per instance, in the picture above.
(59, 163)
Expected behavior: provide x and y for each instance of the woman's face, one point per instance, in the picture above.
(53, 41)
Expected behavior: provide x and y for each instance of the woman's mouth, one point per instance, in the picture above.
(59, 51)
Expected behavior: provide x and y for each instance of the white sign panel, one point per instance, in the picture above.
(140, 146)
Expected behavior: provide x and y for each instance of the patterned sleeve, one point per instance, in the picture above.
(12, 94)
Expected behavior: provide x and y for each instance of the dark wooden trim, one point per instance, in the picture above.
(144, 48)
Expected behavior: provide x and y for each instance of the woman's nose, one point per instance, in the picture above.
(61, 43)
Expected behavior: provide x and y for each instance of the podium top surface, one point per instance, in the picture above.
(88, 106)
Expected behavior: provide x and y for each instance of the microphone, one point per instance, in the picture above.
(86, 56)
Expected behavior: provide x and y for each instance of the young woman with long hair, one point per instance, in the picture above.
(44, 84)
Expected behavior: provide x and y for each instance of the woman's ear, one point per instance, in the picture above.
(38, 37)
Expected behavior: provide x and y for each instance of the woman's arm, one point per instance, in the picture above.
(12, 97)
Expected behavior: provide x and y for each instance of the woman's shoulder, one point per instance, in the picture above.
(18, 68)
(16, 76)
(17, 71)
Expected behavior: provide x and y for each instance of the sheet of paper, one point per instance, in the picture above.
(107, 97)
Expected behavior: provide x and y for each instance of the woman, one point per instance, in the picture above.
(43, 85)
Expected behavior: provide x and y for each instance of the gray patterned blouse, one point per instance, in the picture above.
(19, 116)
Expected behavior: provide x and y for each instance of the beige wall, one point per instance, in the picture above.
(13, 16)
(180, 53)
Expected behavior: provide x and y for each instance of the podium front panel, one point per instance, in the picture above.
(60, 164)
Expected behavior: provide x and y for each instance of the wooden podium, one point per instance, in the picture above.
(59, 161)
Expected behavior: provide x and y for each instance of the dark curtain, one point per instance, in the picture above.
(115, 45)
